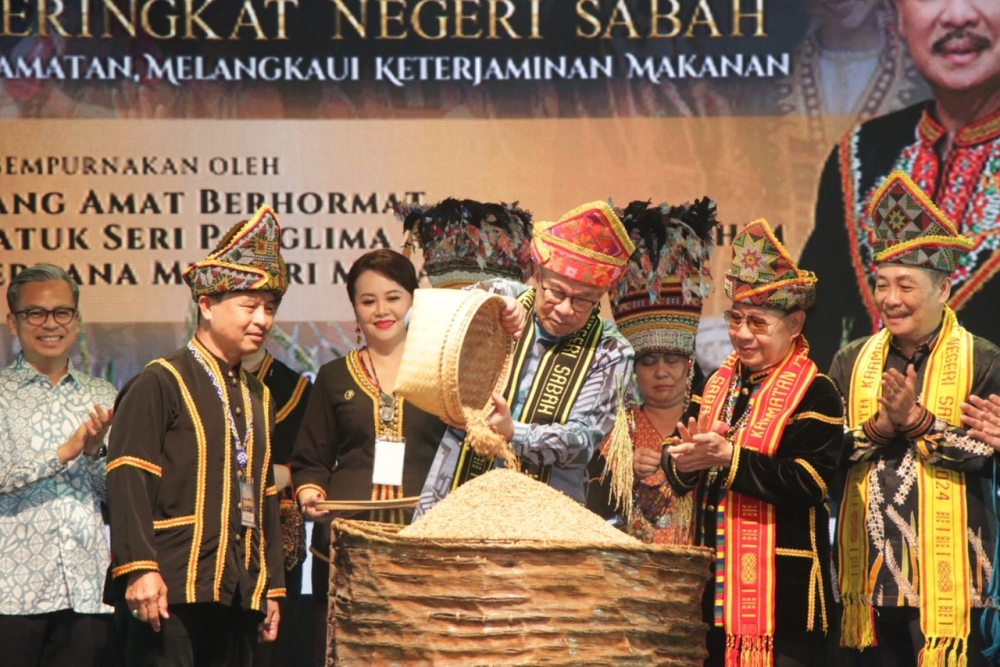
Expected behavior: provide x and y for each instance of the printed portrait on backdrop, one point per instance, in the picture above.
(133, 137)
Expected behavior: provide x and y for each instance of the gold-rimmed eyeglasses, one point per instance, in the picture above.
(756, 324)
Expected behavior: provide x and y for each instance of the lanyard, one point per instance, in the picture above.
(242, 458)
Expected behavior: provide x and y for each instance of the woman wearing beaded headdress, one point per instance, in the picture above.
(466, 242)
(657, 307)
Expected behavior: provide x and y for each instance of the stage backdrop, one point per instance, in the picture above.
(133, 133)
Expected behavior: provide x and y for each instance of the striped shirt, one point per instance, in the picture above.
(567, 447)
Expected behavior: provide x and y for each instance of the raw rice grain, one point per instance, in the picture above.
(506, 505)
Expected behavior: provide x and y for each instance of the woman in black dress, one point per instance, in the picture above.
(352, 407)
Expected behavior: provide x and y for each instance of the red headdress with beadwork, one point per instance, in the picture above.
(589, 244)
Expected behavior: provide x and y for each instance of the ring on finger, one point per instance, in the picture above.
(135, 613)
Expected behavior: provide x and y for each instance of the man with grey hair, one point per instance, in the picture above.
(53, 422)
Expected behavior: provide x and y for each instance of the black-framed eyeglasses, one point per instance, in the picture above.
(39, 316)
(756, 324)
(578, 303)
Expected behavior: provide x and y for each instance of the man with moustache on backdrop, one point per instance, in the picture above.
(196, 556)
(950, 146)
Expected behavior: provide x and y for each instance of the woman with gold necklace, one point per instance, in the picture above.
(353, 416)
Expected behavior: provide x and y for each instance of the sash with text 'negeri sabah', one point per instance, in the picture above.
(746, 548)
(943, 571)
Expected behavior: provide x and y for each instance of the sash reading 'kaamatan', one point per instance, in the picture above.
(943, 572)
(745, 553)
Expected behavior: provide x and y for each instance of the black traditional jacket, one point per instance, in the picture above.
(795, 481)
(335, 449)
(894, 498)
(290, 394)
(173, 484)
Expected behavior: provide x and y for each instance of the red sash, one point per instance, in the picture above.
(746, 546)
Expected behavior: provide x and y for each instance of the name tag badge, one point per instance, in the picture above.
(246, 503)
(389, 455)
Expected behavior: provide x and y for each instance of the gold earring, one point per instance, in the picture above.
(357, 332)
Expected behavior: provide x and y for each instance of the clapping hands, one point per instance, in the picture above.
(702, 445)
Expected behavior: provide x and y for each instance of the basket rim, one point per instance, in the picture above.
(451, 363)
(376, 532)
(446, 399)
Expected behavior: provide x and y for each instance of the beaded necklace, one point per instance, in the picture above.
(242, 457)
(387, 403)
(736, 388)
(391, 428)
(739, 388)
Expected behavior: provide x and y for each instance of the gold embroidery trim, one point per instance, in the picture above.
(136, 462)
(921, 444)
(300, 389)
(979, 132)
(220, 556)
(265, 366)
(799, 553)
(818, 416)
(357, 370)
(817, 574)
(733, 466)
(262, 560)
(176, 522)
(199, 499)
(812, 473)
(677, 475)
(135, 565)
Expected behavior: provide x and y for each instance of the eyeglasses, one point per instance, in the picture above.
(755, 323)
(39, 316)
(554, 297)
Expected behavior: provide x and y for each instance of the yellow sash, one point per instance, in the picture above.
(746, 548)
(943, 568)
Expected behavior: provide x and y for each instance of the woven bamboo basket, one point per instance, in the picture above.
(455, 354)
(409, 601)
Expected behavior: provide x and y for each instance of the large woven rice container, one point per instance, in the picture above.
(455, 354)
(413, 601)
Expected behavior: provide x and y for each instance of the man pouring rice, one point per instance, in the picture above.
(560, 401)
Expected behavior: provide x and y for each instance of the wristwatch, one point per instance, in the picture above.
(100, 453)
